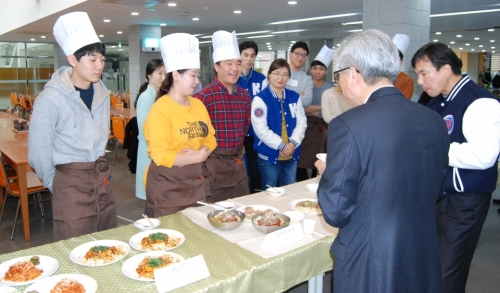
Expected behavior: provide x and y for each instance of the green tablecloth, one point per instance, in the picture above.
(232, 268)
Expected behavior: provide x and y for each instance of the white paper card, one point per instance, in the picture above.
(283, 237)
(292, 82)
(180, 274)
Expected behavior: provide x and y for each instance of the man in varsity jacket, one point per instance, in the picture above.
(472, 115)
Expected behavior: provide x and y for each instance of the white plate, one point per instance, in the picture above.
(276, 191)
(292, 204)
(228, 204)
(295, 216)
(259, 207)
(135, 241)
(129, 267)
(78, 253)
(312, 187)
(6, 289)
(45, 285)
(144, 225)
(48, 264)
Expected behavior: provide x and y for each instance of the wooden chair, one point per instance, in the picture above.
(14, 100)
(119, 106)
(25, 106)
(9, 182)
(118, 125)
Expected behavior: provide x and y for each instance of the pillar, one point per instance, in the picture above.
(60, 58)
(410, 17)
(138, 59)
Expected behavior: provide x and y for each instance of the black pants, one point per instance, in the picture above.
(303, 175)
(460, 218)
(253, 167)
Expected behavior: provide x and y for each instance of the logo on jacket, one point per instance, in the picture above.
(258, 112)
(195, 129)
(450, 122)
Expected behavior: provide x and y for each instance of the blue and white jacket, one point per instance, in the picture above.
(267, 118)
(472, 115)
(254, 82)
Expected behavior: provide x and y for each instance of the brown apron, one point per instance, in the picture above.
(82, 199)
(311, 144)
(169, 190)
(225, 175)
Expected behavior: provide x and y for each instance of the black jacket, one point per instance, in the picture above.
(131, 143)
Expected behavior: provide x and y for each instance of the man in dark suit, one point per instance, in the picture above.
(384, 171)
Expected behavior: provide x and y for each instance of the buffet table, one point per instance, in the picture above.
(232, 268)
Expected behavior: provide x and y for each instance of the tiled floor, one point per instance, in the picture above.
(484, 274)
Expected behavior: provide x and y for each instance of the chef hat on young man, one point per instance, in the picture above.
(324, 57)
(180, 51)
(402, 42)
(225, 46)
(74, 31)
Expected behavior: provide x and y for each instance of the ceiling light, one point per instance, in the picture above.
(491, 29)
(196, 18)
(438, 33)
(43, 37)
(119, 32)
(435, 41)
(472, 49)
(293, 42)
(251, 33)
(268, 43)
(467, 44)
(480, 46)
(459, 36)
(286, 32)
(171, 3)
(460, 48)
(107, 20)
(292, 2)
(352, 23)
(338, 45)
(113, 46)
(463, 13)
(316, 18)
(492, 41)
(163, 24)
(237, 11)
(477, 39)
(135, 13)
(101, 36)
(493, 47)
(205, 42)
(483, 50)
(452, 42)
(32, 39)
(493, 52)
(355, 31)
(263, 36)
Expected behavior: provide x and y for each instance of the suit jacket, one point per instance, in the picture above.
(385, 168)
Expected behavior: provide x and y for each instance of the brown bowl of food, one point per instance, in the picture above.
(270, 222)
(226, 219)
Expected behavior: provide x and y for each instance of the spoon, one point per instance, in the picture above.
(213, 204)
(147, 219)
(274, 190)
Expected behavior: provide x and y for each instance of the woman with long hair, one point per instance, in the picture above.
(178, 132)
(155, 73)
(279, 123)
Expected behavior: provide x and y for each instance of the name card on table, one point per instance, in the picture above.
(181, 274)
(282, 238)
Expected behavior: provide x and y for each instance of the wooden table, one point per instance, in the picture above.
(127, 113)
(14, 149)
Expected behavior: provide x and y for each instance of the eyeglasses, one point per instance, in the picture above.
(336, 74)
(300, 55)
(278, 75)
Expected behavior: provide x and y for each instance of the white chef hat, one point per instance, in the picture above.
(74, 31)
(402, 42)
(325, 56)
(180, 51)
(225, 46)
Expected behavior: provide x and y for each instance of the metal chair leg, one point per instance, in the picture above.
(116, 153)
(15, 220)
(4, 195)
(41, 204)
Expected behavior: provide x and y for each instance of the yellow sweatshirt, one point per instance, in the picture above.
(171, 127)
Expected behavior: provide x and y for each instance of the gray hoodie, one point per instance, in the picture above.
(63, 130)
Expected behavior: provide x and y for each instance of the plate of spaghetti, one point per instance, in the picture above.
(141, 267)
(158, 239)
(308, 206)
(74, 283)
(27, 269)
(99, 253)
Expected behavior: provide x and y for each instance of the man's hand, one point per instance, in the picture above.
(321, 166)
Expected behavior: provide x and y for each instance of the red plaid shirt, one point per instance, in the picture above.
(230, 113)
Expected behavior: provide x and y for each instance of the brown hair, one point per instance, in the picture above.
(167, 84)
(277, 64)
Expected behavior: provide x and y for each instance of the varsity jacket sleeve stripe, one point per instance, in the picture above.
(481, 129)
(300, 128)
(260, 127)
